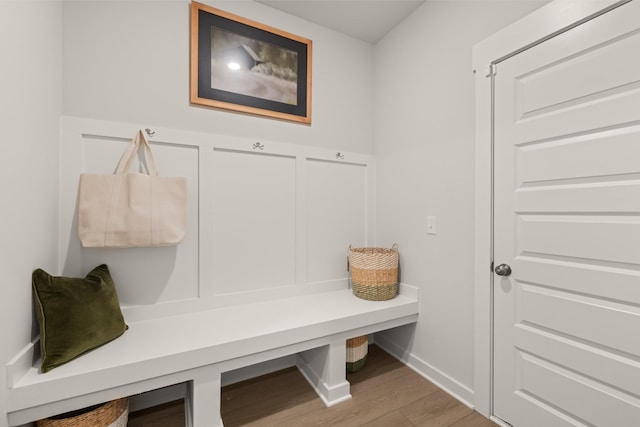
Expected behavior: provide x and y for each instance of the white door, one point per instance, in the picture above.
(567, 223)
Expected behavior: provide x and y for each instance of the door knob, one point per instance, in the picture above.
(503, 270)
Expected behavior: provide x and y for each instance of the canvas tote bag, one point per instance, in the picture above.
(132, 209)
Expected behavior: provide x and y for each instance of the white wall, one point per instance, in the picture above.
(30, 83)
(424, 133)
(280, 209)
(129, 61)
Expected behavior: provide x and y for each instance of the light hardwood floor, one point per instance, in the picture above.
(385, 394)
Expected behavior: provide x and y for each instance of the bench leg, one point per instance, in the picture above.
(326, 370)
(202, 402)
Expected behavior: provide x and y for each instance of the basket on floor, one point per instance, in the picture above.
(374, 272)
(111, 414)
(357, 350)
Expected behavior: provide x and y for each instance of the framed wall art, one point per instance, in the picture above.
(242, 65)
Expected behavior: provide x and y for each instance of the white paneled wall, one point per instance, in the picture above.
(254, 221)
(265, 219)
(162, 274)
(336, 207)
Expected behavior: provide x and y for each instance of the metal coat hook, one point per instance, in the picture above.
(339, 156)
(149, 132)
(258, 146)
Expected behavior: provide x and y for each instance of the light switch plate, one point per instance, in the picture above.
(431, 225)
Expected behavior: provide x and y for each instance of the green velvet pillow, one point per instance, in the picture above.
(75, 314)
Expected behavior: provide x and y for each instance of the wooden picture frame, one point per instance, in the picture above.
(242, 65)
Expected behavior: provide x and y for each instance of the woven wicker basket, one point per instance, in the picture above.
(374, 272)
(111, 414)
(357, 350)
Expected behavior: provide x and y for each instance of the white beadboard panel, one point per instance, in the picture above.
(146, 276)
(336, 216)
(254, 217)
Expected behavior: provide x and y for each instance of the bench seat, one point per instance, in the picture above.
(195, 348)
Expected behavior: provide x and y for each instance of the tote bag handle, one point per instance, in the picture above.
(124, 165)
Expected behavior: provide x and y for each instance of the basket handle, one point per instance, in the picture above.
(394, 247)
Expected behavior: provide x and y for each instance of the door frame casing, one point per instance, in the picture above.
(543, 24)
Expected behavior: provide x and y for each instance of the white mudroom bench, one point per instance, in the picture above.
(196, 348)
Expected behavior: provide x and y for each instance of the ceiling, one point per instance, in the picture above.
(367, 20)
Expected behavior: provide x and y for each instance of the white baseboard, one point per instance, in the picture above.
(453, 387)
(330, 395)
